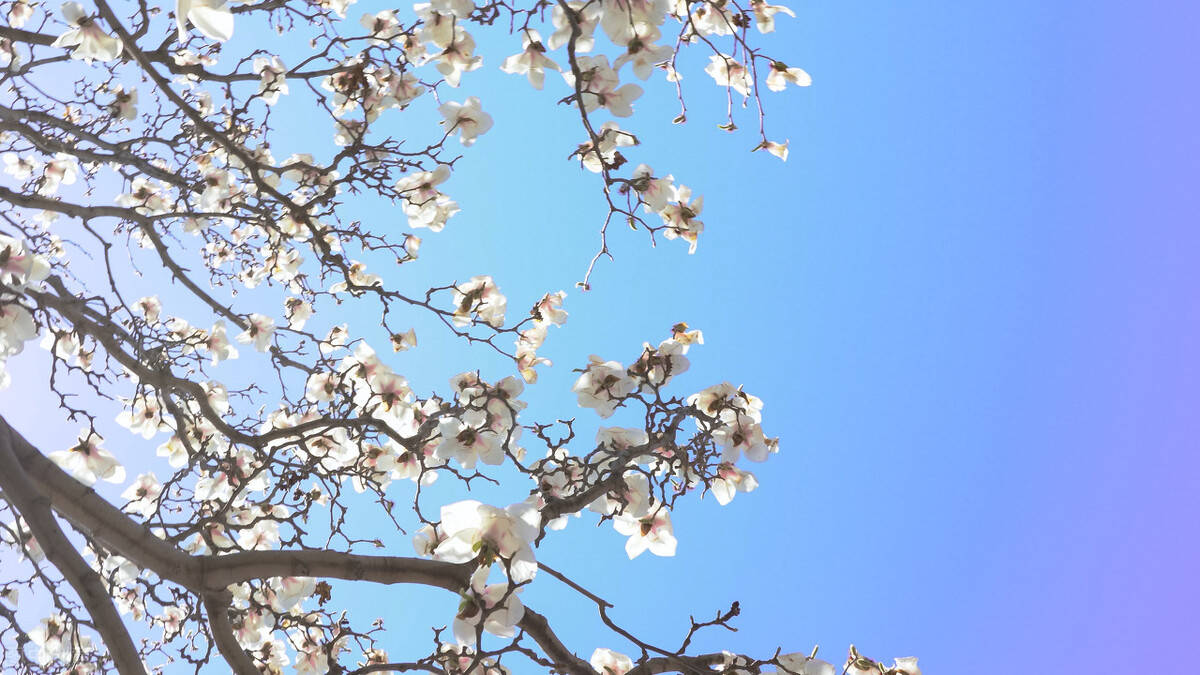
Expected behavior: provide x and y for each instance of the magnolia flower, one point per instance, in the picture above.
(148, 308)
(603, 385)
(20, 167)
(145, 418)
(124, 103)
(496, 605)
(657, 365)
(356, 279)
(348, 132)
(599, 87)
(19, 13)
(685, 337)
(632, 499)
(62, 170)
(218, 345)
(18, 266)
(87, 461)
(258, 332)
(641, 51)
(482, 298)
(383, 26)
(718, 397)
(321, 387)
(436, 27)
(802, 664)
(171, 619)
(390, 389)
(404, 341)
(272, 79)
(608, 662)
(16, 328)
(609, 139)
(465, 440)
(174, 450)
(587, 15)
(624, 19)
(741, 433)
(731, 480)
(338, 7)
(458, 57)
(311, 658)
(287, 593)
(859, 665)
(649, 533)
(468, 119)
(210, 17)
(706, 18)
(729, 73)
(88, 39)
(549, 309)
(457, 8)
(528, 342)
(461, 660)
(781, 74)
(764, 14)
(780, 150)
(298, 312)
(143, 495)
(24, 541)
(56, 638)
(680, 218)
(425, 205)
(654, 192)
(532, 61)
(476, 531)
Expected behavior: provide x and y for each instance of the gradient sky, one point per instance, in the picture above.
(968, 301)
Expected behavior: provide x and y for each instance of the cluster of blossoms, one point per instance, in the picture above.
(424, 204)
(262, 606)
(547, 312)
(191, 154)
(57, 638)
(479, 300)
(470, 531)
(19, 269)
(727, 415)
(362, 82)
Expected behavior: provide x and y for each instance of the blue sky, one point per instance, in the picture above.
(968, 301)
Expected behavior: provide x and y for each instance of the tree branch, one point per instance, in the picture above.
(35, 508)
(217, 609)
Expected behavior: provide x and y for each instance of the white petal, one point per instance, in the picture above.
(214, 22)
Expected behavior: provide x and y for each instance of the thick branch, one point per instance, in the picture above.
(35, 508)
(117, 531)
(222, 633)
(537, 627)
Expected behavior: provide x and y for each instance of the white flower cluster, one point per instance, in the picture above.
(548, 311)
(725, 413)
(470, 531)
(19, 268)
(262, 606)
(479, 300)
(424, 204)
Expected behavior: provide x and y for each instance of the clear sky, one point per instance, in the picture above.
(968, 301)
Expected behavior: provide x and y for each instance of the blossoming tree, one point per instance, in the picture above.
(136, 143)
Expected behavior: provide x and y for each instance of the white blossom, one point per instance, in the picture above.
(87, 462)
(90, 42)
(467, 118)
